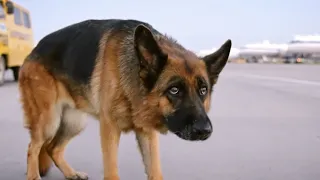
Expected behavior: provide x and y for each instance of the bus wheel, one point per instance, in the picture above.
(15, 71)
(2, 70)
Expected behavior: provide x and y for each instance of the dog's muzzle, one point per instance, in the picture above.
(201, 130)
(198, 131)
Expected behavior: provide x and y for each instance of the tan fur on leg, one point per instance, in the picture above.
(110, 137)
(33, 160)
(72, 123)
(45, 161)
(149, 148)
(57, 155)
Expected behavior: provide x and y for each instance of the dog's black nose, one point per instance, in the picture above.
(202, 129)
(207, 128)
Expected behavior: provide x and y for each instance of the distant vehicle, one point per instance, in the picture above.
(16, 37)
(254, 55)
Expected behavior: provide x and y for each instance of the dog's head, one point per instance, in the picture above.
(181, 81)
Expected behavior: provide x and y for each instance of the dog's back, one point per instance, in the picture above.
(72, 51)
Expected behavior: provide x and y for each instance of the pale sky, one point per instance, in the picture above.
(195, 24)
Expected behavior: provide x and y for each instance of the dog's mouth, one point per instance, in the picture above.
(189, 133)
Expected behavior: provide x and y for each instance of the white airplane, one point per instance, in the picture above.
(304, 44)
(261, 51)
(302, 47)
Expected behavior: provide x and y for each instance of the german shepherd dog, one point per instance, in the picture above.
(125, 74)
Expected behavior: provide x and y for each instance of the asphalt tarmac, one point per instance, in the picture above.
(266, 127)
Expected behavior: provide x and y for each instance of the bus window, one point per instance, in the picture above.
(2, 15)
(17, 16)
(26, 20)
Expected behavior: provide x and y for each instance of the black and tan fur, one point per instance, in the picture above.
(128, 76)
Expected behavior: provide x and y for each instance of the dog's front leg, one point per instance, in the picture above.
(110, 136)
(149, 148)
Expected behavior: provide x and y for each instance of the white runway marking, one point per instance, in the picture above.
(281, 79)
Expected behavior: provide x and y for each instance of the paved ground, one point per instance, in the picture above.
(267, 127)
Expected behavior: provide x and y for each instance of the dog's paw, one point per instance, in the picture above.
(116, 177)
(157, 177)
(34, 178)
(78, 176)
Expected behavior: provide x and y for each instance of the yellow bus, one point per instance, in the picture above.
(16, 37)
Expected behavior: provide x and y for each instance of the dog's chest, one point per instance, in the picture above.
(121, 113)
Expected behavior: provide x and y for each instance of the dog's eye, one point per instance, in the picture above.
(203, 91)
(174, 90)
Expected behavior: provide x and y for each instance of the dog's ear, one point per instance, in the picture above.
(152, 58)
(216, 61)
